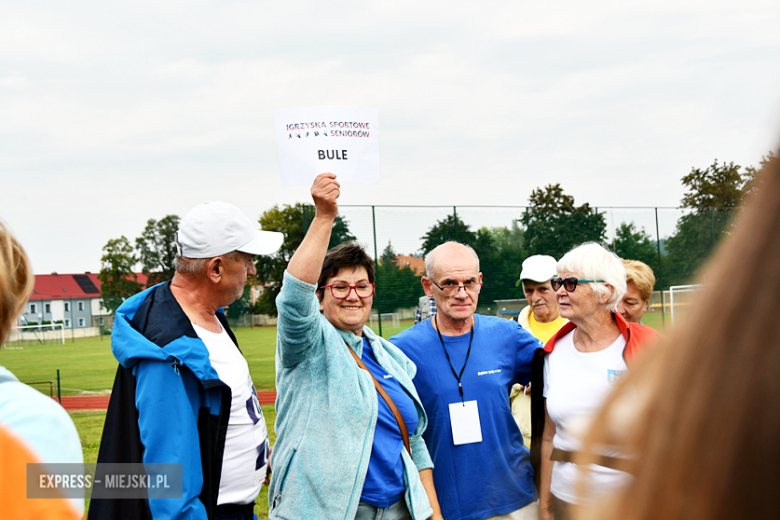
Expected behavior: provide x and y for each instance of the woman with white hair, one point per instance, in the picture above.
(575, 371)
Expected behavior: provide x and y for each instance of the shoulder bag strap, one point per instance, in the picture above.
(388, 400)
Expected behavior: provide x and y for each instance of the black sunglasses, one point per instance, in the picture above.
(570, 284)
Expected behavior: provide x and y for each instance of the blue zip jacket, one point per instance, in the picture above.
(167, 405)
(326, 411)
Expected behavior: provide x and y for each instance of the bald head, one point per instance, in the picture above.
(446, 252)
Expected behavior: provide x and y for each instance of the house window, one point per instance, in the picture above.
(81, 321)
(67, 306)
(67, 324)
(33, 308)
(81, 306)
(47, 307)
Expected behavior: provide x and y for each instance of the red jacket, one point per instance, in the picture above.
(636, 336)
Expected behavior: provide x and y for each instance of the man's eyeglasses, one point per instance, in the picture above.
(570, 284)
(450, 288)
(342, 290)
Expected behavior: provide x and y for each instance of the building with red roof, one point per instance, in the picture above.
(73, 299)
(415, 263)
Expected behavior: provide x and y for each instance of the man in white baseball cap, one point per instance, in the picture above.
(216, 228)
(541, 319)
(183, 393)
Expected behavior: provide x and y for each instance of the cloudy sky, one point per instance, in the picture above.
(115, 113)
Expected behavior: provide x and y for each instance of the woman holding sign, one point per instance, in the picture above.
(349, 420)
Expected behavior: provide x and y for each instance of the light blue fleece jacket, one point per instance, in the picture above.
(39, 421)
(326, 410)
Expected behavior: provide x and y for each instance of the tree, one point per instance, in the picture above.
(157, 249)
(554, 225)
(396, 286)
(239, 307)
(718, 186)
(450, 228)
(116, 273)
(501, 252)
(635, 244)
(712, 198)
(388, 255)
(753, 176)
(292, 222)
(508, 239)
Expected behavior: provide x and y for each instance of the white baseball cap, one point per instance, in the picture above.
(217, 228)
(538, 268)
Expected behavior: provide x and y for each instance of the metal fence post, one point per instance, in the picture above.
(455, 213)
(658, 249)
(376, 269)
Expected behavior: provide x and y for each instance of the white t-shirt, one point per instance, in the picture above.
(246, 443)
(575, 385)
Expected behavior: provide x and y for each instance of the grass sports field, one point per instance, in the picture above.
(87, 367)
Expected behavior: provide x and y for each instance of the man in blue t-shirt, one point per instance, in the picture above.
(466, 365)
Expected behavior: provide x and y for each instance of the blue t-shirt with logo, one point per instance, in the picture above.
(492, 477)
(384, 483)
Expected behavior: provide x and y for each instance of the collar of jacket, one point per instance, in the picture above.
(152, 326)
(635, 334)
(356, 342)
(523, 318)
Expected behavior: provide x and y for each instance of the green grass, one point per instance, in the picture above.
(656, 320)
(87, 366)
(388, 331)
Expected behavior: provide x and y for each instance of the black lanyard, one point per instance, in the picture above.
(468, 353)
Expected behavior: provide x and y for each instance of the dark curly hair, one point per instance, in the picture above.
(350, 255)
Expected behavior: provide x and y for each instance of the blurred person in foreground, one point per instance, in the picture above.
(33, 427)
(183, 393)
(466, 365)
(541, 318)
(701, 415)
(576, 370)
(341, 452)
(639, 289)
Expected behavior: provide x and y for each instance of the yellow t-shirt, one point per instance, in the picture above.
(544, 331)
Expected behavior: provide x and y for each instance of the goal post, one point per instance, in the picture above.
(48, 332)
(680, 298)
(393, 317)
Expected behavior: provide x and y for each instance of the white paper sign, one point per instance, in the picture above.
(464, 418)
(341, 140)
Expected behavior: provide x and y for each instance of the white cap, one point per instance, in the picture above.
(217, 228)
(538, 268)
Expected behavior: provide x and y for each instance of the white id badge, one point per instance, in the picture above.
(464, 418)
